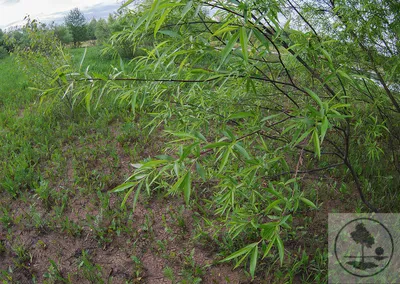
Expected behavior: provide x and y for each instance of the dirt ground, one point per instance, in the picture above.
(159, 235)
(161, 242)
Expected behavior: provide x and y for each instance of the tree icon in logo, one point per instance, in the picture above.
(371, 256)
(363, 246)
(363, 237)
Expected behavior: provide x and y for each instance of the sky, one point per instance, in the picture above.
(12, 12)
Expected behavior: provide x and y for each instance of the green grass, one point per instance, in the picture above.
(13, 86)
(48, 160)
(96, 60)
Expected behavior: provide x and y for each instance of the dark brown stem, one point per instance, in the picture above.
(358, 186)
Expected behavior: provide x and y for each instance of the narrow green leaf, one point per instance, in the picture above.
(241, 260)
(244, 43)
(216, 145)
(229, 134)
(136, 197)
(187, 187)
(268, 248)
(182, 134)
(177, 185)
(327, 55)
(283, 222)
(224, 30)
(133, 103)
(140, 22)
(128, 2)
(121, 64)
(126, 197)
(137, 176)
(240, 252)
(290, 127)
(341, 116)
(152, 12)
(344, 75)
(83, 58)
(270, 117)
(281, 249)
(273, 205)
(336, 106)
(224, 159)
(200, 171)
(88, 98)
(268, 230)
(302, 137)
(187, 8)
(229, 46)
(316, 143)
(242, 151)
(329, 77)
(253, 261)
(261, 38)
(99, 76)
(161, 21)
(123, 187)
(324, 127)
(271, 190)
(153, 163)
(239, 115)
(200, 136)
(314, 96)
(250, 86)
(308, 202)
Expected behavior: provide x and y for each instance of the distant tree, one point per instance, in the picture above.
(1, 37)
(76, 23)
(15, 37)
(102, 32)
(363, 237)
(3, 51)
(63, 34)
(111, 19)
(91, 29)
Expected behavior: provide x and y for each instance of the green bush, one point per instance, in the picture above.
(3, 52)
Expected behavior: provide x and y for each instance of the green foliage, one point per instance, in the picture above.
(242, 97)
(22, 254)
(3, 52)
(45, 63)
(63, 34)
(91, 29)
(76, 23)
(54, 274)
(102, 31)
(91, 271)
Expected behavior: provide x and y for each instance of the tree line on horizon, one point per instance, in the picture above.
(73, 31)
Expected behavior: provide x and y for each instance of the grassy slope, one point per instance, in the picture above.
(58, 219)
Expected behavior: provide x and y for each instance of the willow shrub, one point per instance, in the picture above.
(252, 103)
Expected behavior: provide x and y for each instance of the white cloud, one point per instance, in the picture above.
(13, 12)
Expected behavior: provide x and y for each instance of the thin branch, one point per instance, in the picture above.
(184, 80)
(307, 171)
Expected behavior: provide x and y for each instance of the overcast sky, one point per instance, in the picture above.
(12, 12)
